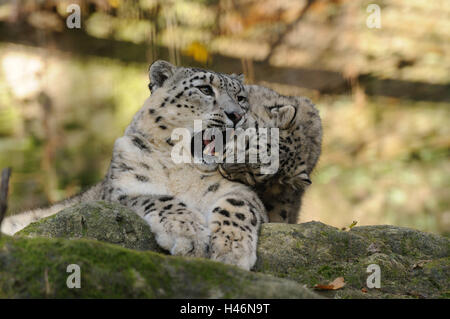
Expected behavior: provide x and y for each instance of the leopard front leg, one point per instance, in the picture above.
(178, 229)
(234, 223)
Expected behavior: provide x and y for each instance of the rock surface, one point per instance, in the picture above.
(413, 264)
(108, 222)
(37, 268)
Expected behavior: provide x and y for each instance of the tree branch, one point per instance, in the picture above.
(4, 186)
(280, 39)
(324, 81)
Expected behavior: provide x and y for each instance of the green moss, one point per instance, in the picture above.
(36, 268)
(331, 272)
(309, 254)
(315, 253)
(100, 220)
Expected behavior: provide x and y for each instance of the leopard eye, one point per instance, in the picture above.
(241, 98)
(206, 89)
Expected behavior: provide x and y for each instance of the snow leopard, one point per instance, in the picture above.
(191, 208)
(298, 148)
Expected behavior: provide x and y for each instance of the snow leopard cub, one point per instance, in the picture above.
(299, 145)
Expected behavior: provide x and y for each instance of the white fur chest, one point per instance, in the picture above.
(136, 172)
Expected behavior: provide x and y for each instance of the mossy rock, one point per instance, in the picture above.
(37, 268)
(413, 264)
(100, 220)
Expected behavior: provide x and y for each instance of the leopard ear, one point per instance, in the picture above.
(159, 72)
(240, 77)
(285, 116)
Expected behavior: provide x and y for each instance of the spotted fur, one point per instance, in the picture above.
(300, 139)
(191, 208)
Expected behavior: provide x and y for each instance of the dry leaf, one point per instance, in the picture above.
(364, 290)
(338, 283)
(324, 287)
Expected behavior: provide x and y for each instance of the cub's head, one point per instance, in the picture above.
(299, 144)
(182, 95)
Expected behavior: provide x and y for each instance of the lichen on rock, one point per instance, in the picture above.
(413, 264)
(315, 253)
(37, 268)
(103, 221)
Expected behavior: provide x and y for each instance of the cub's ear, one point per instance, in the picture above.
(159, 72)
(284, 116)
(239, 77)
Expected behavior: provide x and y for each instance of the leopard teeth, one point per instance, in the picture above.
(208, 148)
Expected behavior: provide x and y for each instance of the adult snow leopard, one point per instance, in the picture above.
(190, 207)
(218, 219)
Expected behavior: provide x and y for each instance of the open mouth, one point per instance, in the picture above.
(210, 143)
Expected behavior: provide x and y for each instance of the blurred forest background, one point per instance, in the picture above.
(383, 93)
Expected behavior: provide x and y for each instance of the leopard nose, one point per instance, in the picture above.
(235, 117)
